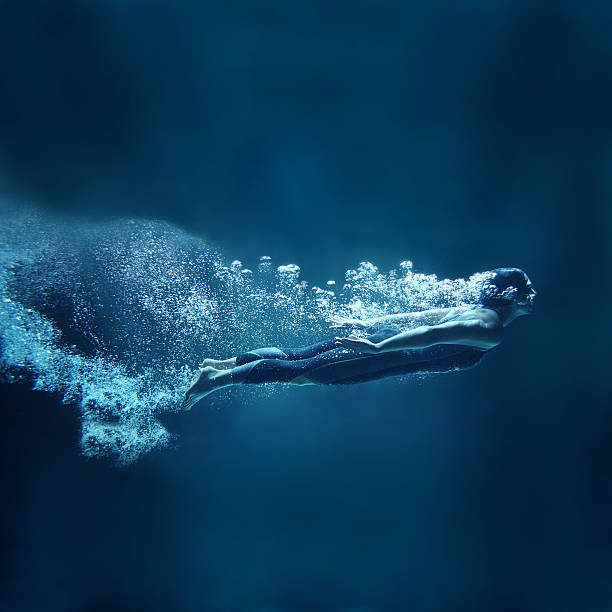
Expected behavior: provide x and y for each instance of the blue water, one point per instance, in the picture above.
(117, 316)
(159, 142)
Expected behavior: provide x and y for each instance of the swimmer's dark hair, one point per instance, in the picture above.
(506, 287)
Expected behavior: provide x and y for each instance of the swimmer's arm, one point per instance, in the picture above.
(473, 332)
(423, 316)
(478, 333)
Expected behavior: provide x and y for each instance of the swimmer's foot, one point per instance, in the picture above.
(208, 380)
(219, 364)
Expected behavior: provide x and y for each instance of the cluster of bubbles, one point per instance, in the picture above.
(117, 316)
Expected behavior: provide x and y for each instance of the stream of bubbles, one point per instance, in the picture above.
(117, 316)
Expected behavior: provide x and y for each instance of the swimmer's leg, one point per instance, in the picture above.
(322, 363)
(216, 374)
(376, 333)
(334, 367)
(286, 354)
(255, 355)
(219, 364)
(208, 380)
(270, 352)
(274, 370)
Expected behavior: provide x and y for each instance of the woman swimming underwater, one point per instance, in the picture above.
(440, 340)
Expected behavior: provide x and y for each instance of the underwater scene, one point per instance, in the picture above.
(117, 317)
(303, 307)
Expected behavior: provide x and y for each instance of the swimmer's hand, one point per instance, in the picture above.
(347, 322)
(358, 344)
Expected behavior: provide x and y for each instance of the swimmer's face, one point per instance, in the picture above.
(525, 303)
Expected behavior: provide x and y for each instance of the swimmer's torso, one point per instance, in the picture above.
(437, 316)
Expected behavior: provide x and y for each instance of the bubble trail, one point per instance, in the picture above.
(117, 316)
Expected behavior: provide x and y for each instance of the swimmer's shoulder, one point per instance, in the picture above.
(477, 312)
(487, 316)
(456, 313)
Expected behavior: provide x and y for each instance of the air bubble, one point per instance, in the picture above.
(147, 302)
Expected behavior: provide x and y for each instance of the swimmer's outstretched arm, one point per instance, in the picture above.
(431, 316)
(483, 333)
(423, 317)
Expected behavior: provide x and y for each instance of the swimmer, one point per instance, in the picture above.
(440, 340)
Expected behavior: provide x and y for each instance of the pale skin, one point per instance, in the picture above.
(480, 328)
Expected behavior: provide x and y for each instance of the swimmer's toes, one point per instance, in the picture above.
(194, 392)
(194, 384)
(203, 384)
(189, 402)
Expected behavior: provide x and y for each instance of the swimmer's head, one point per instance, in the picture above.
(508, 288)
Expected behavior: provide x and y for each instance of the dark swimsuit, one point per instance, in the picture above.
(326, 363)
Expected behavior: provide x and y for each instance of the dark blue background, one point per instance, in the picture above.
(463, 136)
